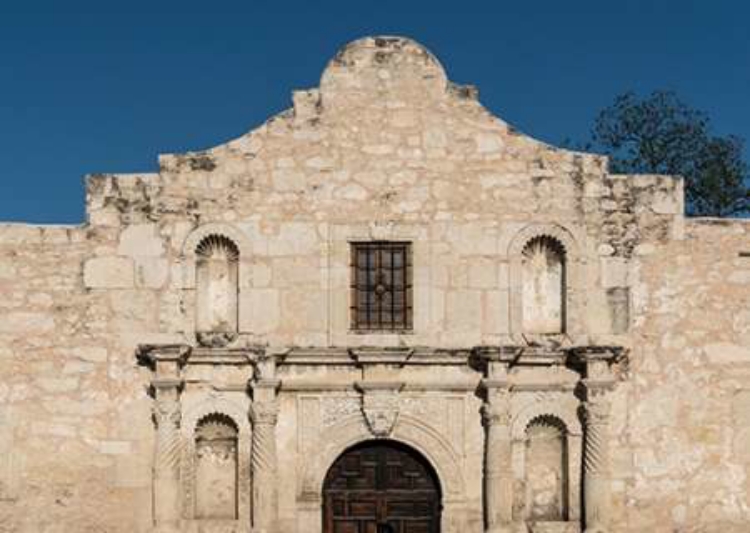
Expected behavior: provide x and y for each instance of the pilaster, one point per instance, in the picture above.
(166, 388)
(264, 412)
(598, 385)
(496, 416)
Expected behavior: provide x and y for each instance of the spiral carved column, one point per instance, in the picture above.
(167, 453)
(498, 477)
(596, 482)
(264, 414)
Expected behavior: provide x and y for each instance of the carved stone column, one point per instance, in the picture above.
(596, 477)
(166, 362)
(598, 384)
(498, 475)
(264, 413)
(167, 413)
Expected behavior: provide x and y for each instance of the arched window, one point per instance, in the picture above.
(546, 470)
(543, 286)
(216, 467)
(217, 272)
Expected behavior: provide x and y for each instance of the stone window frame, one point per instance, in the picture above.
(574, 317)
(341, 236)
(189, 260)
(190, 423)
(566, 415)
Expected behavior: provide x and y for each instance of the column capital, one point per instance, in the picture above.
(494, 413)
(264, 413)
(167, 412)
(150, 354)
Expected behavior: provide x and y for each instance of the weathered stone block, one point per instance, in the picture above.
(727, 353)
(141, 240)
(109, 273)
(152, 272)
(27, 323)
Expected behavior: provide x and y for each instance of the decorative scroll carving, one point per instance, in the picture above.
(425, 407)
(381, 412)
(380, 406)
(336, 408)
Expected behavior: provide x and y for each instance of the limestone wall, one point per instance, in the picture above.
(681, 430)
(386, 148)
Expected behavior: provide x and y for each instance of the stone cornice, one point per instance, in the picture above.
(227, 356)
(592, 353)
(150, 354)
(508, 355)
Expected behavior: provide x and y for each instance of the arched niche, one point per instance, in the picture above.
(215, 263)
(224, 420)
(216, 468)
(546, 291)
(543, 286)
(547, 470)
(547, 448)
(217, 289)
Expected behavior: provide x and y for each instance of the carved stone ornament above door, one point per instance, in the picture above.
(380, 406)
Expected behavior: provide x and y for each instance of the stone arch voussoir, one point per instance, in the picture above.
(410, 431)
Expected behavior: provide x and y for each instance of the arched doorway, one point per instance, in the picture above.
(381, 487)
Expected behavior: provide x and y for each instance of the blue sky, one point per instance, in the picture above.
(105, 86)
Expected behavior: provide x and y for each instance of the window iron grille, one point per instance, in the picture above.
(381, 286)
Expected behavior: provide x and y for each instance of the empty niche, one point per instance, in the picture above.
(543, 286)
(546, 470)
(216, 468)
(217, 275)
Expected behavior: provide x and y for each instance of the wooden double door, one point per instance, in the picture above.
(381, 487)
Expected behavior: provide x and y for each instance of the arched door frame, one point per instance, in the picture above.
(410, 431)
(401, 449)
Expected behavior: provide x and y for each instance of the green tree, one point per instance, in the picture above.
(660, 134)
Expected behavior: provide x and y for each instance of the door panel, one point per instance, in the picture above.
(381, 487)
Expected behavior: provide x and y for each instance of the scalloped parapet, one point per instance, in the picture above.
(391, 67)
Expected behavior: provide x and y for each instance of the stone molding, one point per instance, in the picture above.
(375, 409)
(412, 431)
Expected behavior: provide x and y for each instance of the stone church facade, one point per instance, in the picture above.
(382, 311)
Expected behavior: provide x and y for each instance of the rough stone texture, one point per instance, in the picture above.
(386, 148)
